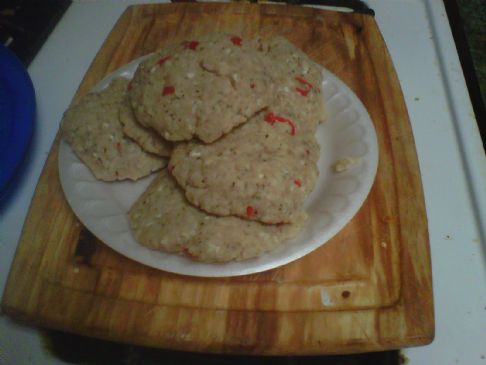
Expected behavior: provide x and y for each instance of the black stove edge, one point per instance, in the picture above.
(357, 6)
(79, 349)
(467, 65)
(35, 38)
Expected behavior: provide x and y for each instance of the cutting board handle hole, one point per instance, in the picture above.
(85, 248)
(346, 294)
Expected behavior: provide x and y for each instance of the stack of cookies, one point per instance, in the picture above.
(234, 122)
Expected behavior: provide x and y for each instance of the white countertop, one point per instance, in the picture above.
(450, 151)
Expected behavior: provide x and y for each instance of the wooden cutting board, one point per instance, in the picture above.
(368, 289)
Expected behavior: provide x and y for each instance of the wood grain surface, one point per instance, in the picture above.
(368, 289)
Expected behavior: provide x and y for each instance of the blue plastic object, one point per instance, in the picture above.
(17, 113)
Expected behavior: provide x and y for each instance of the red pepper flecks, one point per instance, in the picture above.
(303, 92)
(168, 90)
(236, 40)
(191, 45)
(170, 168)
(161, 61)
(271, 118)
(307, 152)
(252, 85)
(129, 86)
(304, 81)
(186, 252)
(119, 147)
(298, 182)
(250, 211)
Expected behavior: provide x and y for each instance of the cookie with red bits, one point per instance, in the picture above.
(296, 80)
(93, 130)
(201, 88)
(200, 236)
(261, 171)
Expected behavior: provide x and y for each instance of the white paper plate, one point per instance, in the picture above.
(348, 131)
